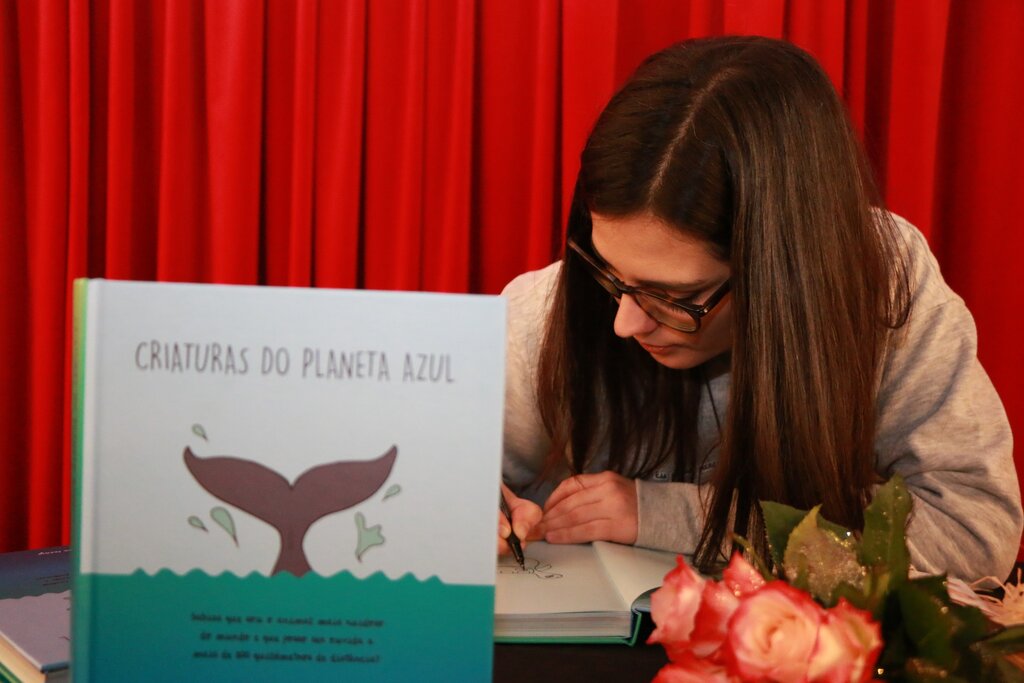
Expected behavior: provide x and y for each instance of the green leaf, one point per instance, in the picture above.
(884, 540)
(934, 585)
(924, 671)
(972, 626)
(993, 666)
(821, 560)
(1007, 672)
(858, 596)
(897, 648)
(928, 623)
(981, 664)
(877, 586)
(1007, 640)
(838, 530)
(779, 522)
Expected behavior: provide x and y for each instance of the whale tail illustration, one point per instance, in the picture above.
(290, 508)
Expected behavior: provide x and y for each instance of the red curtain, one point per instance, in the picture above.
(421, 144)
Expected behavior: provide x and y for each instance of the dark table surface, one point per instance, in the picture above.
(565, 663)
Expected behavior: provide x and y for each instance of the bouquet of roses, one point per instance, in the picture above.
(841, 608)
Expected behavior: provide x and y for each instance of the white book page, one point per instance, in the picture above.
(558, 579)
(632, 570)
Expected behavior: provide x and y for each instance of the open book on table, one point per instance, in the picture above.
(595, 592)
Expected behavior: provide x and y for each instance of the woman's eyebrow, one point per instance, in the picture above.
(675, 286)
(696, 286)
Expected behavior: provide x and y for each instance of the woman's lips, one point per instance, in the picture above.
(656, 350)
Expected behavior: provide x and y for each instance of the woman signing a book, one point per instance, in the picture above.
(736, 319)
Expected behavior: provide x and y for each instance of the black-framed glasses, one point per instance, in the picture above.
(679, 314)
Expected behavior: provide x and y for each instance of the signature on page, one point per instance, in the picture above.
(534, 567)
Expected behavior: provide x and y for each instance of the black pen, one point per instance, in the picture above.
(513, 540)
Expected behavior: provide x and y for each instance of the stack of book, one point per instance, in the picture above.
(35, 603)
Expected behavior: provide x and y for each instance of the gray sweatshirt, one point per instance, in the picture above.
(941, 426)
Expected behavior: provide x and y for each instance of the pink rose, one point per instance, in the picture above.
(674, 607)
(711, 625)
(691, 669)
(741, 577)
(681, 629)
(848, 644)
(772, 634)
(718, 602)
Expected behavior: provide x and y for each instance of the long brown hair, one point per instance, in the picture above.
(743, 143)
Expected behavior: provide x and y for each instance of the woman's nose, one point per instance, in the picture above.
(631, 320)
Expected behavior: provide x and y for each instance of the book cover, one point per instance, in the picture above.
(285, 484)
(34, 614)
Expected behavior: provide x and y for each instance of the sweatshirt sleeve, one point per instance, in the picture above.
(942, 427)
(526, 442)
(671, 515)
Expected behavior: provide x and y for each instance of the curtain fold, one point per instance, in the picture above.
(918, 56)
(183, 180)
(395, 143)
(340, 117)
(589, 75)
(512, 100)
(449, 88)
(43, 55)
(233, 45)
(422, 144)
(14, 304)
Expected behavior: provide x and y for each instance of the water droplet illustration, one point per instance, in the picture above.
(223, 518)
(197, 523)
(198, 430)
(368, 536)
(393, 490)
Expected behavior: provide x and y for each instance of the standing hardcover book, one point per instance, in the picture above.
(34, 615)
(596, 592)
(284, 484)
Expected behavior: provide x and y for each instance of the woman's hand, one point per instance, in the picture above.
(526, 516)
(592, 507)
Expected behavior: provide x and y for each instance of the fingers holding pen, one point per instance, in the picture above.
(583, 508)
(526, 518)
